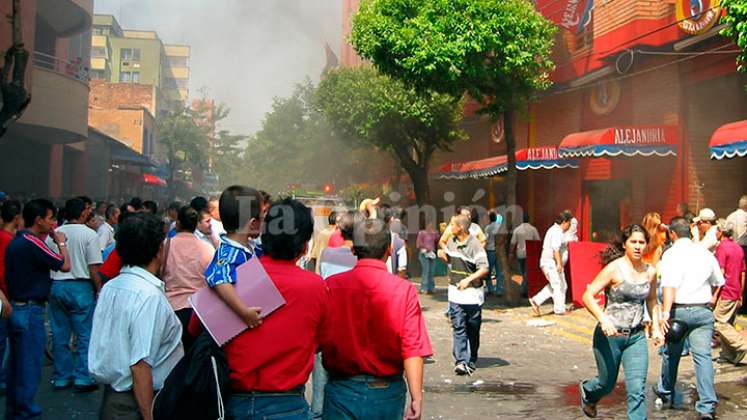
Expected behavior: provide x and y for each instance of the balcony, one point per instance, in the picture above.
(67, 17)
(58, 112)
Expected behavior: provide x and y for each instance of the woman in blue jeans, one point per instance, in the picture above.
(620, 337)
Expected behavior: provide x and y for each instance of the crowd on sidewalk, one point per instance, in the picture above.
(112, 284)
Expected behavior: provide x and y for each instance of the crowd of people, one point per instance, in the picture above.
(115, 281)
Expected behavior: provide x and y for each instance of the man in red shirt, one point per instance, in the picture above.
(374, 332)
(11, 216)
(270, 364)
(728, 298)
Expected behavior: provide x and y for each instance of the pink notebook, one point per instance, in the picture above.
(255, 288)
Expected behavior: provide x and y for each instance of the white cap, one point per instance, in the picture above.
(705, 214)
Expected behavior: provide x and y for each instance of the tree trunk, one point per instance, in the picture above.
(15, 98)
(419, 178)
(511, 290)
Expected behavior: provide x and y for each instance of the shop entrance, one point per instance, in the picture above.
(609, 203)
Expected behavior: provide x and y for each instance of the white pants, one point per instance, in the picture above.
(555, 289)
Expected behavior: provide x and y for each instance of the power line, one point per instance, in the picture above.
(644, 71)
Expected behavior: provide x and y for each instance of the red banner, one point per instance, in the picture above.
(570, 15)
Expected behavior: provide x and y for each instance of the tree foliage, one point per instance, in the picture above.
(227, 156)
(382, 112)
(297, 146)
(185, 143)
(736, 27)
(496, 50)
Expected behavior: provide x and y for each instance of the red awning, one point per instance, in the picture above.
(626, 141)
(530, 158)
(729, 141)
(151, 179)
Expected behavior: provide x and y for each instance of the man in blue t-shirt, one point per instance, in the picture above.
(27, 266)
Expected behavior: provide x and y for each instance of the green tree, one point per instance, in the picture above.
(296, 145)
(736, 28)
(227, 156)
(184, 141)
(382, 112)
(497, 51)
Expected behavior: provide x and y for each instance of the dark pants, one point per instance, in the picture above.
(364, 397)
(259, 406)
(524, 281)
(119, 405)
(465, 323)
(184, 316)
(27, 340)
(3, 346)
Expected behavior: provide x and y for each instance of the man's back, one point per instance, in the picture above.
(738, 219)
(279, 354)
(374, 322)
(521, 235)
(692, 270)
(83, 247)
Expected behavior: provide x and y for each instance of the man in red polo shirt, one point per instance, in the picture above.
(374, 332)
(270, 364)
(727, 299)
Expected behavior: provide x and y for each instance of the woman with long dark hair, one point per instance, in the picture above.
(620, 337)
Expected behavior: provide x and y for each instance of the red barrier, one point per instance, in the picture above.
(583, 264)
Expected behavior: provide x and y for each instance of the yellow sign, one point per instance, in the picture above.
(698, 16)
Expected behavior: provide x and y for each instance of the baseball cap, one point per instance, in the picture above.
(706, 215)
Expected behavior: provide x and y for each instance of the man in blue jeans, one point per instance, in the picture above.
(72, 299)
(27, 265)
(468, 264)
(688, 274)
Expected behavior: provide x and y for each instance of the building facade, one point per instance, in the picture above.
(140, 57)
(42, 152)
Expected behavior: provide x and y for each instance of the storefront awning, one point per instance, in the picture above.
(151, 179)
(530, 158)
(729, 141)
(626, 141)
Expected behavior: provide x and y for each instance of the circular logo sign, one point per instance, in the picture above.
(496, 131)
(604, 97)
(697, 16)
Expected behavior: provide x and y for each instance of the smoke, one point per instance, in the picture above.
(244, 52)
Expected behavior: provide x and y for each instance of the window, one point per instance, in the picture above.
(98, 75)
(129, 76)
(98, 52)
(130, 54)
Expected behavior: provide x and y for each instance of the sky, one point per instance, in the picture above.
(245, 52)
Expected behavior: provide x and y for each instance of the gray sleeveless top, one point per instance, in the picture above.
(625, 301)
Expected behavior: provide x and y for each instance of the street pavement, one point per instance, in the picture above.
(523, 372)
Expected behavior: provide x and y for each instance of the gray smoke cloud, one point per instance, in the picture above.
(244, 52)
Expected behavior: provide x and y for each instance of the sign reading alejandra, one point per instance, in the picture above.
(640, 136)
(698, 16)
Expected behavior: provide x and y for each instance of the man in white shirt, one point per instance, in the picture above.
(738, 219)
(204, 230)
(136, 339)
(552, 264)
(72, 300)
(105, 231)
(705, 232)
(688, 275)
(523, 233)
(216, 226)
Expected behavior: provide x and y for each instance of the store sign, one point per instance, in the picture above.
(542, 153)
(571, 15)
(605, 97)
(697, 16)
(639, 136)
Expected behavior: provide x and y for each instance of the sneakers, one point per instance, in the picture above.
(665, 399)
(462, 369)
